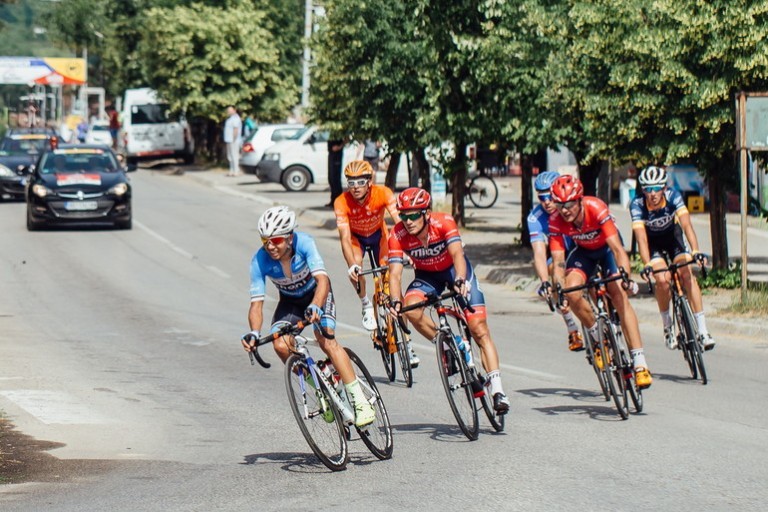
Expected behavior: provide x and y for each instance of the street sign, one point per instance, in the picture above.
(757, 123)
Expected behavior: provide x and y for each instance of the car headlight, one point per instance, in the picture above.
(271, 156)
(5, 171)
(119, 189)
(41, 190)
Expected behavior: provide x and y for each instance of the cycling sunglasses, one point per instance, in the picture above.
(411, 216)
(545, 197)
(568, 205)
(653, 188)
(275, 240)
(357, 183)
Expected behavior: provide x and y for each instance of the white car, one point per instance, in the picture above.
(98, 133)
(262, 138)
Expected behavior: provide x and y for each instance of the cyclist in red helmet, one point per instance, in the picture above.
(587, 221)
(432, 241)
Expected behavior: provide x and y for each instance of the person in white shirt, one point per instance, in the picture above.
(233, 130)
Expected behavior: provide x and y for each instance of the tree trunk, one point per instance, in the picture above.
(526, 202)
(718, 232)
(588, 175)
(458, 183)
(604, 181)
(394, 163)
(422, 173)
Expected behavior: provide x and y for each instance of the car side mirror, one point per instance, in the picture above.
(311, 139)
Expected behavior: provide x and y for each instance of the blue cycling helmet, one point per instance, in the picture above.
(545, 180)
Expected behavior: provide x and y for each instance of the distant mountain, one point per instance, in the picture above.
(21, 34)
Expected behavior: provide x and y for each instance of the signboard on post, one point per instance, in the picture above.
(42, 71)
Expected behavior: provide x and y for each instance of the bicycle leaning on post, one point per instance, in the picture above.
(320, 403)
(610, 355)
(465, 383)
(689, 341)
(389, 338)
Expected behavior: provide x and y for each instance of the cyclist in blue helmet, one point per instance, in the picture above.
(538, 229)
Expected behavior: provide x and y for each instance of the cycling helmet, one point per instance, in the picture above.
(277, 221)
(567, 188)
(545, 180)
(414, 198)
(358, 169)
(653, 176)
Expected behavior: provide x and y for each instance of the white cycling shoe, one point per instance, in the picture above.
(369, 319)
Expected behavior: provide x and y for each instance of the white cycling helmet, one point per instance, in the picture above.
(653, 176)
(277, 221)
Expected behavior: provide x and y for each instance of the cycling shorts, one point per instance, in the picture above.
(291, 310)
(377, 242)
(672, 244)
(585, 262)
(426, 283)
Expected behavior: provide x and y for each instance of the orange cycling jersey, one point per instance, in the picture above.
(367, 218)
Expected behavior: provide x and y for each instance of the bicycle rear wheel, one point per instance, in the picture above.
(693, 348)
(319, 420)
(609, 351)
(589, 345)
(483, 191)
(382, 321)
(453, 373)
(378, 435)
(402, 353)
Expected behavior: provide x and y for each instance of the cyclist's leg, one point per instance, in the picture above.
(574, 334)
(287, 311)
(579, 265)
(662, 290)
(693, 292)
(417, 291)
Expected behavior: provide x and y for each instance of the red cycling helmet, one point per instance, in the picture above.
(414, 198)
(567, 188)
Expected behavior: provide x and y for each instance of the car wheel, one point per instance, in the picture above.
(189, 158)
(295, 179)
(31, 224)
(124, 224)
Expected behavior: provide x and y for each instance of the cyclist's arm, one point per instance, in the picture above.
(690, 234)
(558, 267)
(322, 289)
(540, 260)
(641, 236)
(622, 260)
(459, 263)
(345, 236)
(256, 315)
(395, 277)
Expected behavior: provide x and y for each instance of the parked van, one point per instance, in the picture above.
(302, 160)
(149, 130)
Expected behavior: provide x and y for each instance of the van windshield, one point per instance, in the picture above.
(298, 134)
(150, 114)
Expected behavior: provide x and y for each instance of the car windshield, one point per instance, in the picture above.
(23, 145)
(76, 160)
(298, 134)
(157, 113)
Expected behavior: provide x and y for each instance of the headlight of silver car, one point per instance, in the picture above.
(40, 190)
(119, 189)
(5, 171)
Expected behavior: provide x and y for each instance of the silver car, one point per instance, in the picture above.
(262, 138)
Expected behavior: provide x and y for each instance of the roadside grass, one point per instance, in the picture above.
(756, 303)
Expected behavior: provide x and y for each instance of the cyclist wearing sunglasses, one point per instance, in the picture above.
(290, 259)
(659, 221)
(538, 230)
(360, 213)
(587, 221)
(432, 241)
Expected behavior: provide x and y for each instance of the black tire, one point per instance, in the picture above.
(630, 382)
(32, 225)
(486, 400)
(125, 224)
(295, 179)
(402, 353)
(378, 435)
(453, 373)
(685, 338)
(483, 191)
(694, 348)
(612, 368)
(382, 319)
(189, 158)
(590, 356)
(319, 420)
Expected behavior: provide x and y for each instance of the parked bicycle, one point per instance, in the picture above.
(320, 403)
(609, 356)
(689, 341)
(465, 383)
(481, 189)
(389, 338)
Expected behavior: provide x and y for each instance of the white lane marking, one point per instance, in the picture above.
(160, 238)
(55, 407)
(245, 195)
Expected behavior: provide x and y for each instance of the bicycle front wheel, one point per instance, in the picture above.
(486, 400)
(630, 382)
(383, 321)
(378, 435)
(453, 373)
(402, 353)
(609, 351)
(695, 355)
(590, 345)
(319, 420)
(483, 191)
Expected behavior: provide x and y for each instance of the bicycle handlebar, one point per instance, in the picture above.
(673, 268)
(594, 282)
(288, 329)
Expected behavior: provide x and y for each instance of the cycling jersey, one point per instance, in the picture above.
(442, 231)
(538, 227)
(367, 218)
(305, 264)
(659, 221)
(597, 226)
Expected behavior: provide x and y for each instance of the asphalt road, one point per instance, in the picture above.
(123, 347)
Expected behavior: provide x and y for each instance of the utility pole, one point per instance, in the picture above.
(308, 7)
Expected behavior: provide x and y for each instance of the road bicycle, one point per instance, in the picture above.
(609, 356)
(689, 341)
(465, 384)
(320, 402)
(481, 189)
(388, 338)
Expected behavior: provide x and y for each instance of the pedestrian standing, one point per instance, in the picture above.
(335, 157)
(233, 131)
(370, 150)
(114, 125)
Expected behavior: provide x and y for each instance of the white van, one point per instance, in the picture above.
(303, 160)
(149, 131)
